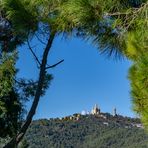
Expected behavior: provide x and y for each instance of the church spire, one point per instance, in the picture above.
(95, 110)
(114, 111)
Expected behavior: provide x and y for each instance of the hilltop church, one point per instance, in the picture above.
(96, 110)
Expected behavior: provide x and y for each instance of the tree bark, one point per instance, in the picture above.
(14, 142)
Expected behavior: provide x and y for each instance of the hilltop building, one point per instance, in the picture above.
(84, 112)
(114, 112)
(96, 110)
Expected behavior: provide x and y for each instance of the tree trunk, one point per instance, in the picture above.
(14, 142)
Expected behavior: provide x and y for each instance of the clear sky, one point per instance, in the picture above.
(84, 79)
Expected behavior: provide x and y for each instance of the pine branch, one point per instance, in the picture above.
(36, 58)
(54, 65)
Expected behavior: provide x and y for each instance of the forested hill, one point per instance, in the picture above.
(89, 131)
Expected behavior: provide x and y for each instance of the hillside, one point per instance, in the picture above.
(89, 131)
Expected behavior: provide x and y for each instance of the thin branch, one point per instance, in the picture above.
(40, 39)
(36, 58)
(133, 11)
(23, 83)
(54, 65)
(116, 14)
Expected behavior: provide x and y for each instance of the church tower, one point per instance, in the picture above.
(114, 112)
(96, 110)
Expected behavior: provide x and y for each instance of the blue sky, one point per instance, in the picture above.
(84, 79)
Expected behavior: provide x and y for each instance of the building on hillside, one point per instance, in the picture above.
(96, 110)
(114, 112)
(84, 112)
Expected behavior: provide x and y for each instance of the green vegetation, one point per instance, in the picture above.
(117, 27)
(10, 103)
(88, 132)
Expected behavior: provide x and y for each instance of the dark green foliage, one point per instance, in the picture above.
(10, 111)
(13, 93)
(10, 105)
(88, 132)
(27, 88)
(21, 15)
(24, 144)
(9, 40)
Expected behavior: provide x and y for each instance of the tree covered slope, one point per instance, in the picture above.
(90, 131)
